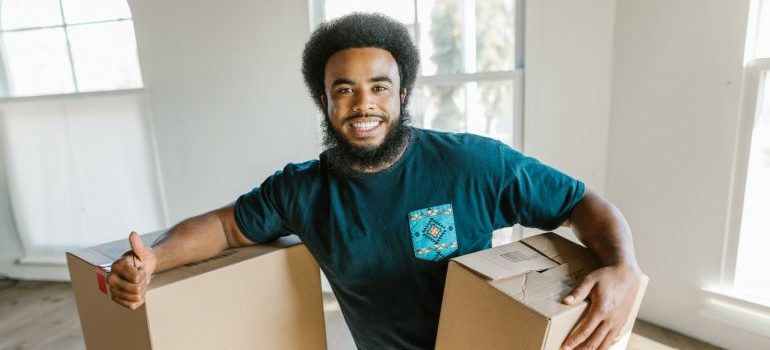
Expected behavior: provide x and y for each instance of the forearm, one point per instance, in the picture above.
(611, 290)
(603, 229)
(193, 239)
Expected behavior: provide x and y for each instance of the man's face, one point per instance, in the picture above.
(362, 97)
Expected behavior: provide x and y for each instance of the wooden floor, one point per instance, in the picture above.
(42, 315)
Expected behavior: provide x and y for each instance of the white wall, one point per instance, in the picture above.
(675, 110)
(568, 62)
(228, 103)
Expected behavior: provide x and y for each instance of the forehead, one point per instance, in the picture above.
(360, 63)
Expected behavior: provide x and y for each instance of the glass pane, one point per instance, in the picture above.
(29, 13)
(754, 240)
(495, 40)
(482, 108)
(80, 11)
(105, 56)
(490, 109)
(762, 48)
(401, 10)
(37, 62)
(441, 36)
(439, 107)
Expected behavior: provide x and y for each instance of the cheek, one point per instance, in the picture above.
(335, 111)
(395, 107)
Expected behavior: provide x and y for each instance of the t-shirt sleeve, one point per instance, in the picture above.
(533, 194)
(261, 214)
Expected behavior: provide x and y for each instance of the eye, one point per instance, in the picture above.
(380, 88)
(345, 90)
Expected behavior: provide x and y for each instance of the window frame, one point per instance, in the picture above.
(755, 70)
(317, 15)
(5, 76)
(723, 301)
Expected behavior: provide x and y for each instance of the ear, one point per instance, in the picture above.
(403, 95)
(323, 100)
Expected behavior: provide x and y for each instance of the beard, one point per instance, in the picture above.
(344, 158)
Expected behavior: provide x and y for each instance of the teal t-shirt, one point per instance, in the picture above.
(383, 239)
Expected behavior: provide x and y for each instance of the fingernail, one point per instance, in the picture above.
(569, 299)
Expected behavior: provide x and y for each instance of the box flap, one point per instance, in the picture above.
(556, 247)
(506, 260)
(573, 272)
(104, 255)
(225, 258)
(537, 291)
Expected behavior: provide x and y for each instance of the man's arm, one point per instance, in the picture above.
(610, 289)
(191, 240)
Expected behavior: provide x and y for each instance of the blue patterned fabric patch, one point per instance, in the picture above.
(433, 232)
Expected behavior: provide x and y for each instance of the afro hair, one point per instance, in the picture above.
(354, 31)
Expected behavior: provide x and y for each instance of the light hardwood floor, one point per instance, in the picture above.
(42, 315)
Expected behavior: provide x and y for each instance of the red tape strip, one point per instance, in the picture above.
(101, 280)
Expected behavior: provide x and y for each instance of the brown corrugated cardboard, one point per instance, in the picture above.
(257, 297)
(509, 297)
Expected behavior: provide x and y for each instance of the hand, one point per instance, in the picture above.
(131, 274)
(611, 291)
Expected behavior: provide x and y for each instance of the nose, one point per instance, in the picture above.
(364, 102)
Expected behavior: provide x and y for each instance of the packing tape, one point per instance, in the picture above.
(101, 280)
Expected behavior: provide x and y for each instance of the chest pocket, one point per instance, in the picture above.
(433, 232)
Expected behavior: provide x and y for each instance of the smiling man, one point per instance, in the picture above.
(387, 205)
(363, 131)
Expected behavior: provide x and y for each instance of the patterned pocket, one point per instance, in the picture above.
(433, 232)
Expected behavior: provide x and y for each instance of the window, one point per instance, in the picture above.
(67, 46)
(79, 163)
(751, 267)
(471, 67)
(743, 295)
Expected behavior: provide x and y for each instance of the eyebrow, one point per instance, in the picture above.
(380, 79)
(342, 81)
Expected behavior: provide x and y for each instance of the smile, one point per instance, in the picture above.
(365, 126)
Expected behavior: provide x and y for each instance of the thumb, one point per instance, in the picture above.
(580, 292)
(141, 250)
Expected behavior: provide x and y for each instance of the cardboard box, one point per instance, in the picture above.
(509, 297)
(257, 297)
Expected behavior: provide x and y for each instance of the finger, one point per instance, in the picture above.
(141, 250)
(597, 337)
(127, 296)
(583, 329)
(135, 262)
(580, 292)
(127, 271)
(132, 305)
(114, 281)
(610, 339)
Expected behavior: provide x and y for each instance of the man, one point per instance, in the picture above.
(387, 205)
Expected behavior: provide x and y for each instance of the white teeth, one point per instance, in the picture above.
(365, 126)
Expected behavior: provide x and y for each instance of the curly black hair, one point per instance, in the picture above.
(353, 31)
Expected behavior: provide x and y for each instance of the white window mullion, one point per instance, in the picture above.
(732, 238)
(69, 48)
(459, 78)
